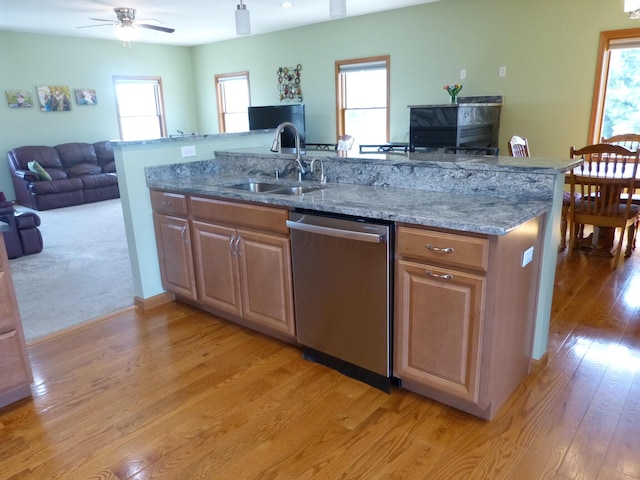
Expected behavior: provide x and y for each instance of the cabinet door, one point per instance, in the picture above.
(215, 251)
(7, 312)
(15, 372)
(174, 252)
(438, 328)
(265, 275)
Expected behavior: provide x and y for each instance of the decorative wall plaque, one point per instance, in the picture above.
(289, 85)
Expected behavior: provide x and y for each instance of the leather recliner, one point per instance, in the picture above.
(23, 236)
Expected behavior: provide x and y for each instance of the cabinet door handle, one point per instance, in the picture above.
(231, 239)
(166, 202)
(184, 237)
(428, 246)
(446, 276)
(236, 246)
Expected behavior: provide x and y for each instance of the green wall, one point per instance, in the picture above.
(31, 60)
(548, 46)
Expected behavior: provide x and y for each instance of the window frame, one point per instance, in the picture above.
(341, 91)
(602, 74)
(219, 81)
(160, 111)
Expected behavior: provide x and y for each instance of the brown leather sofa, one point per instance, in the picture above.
(74, 173)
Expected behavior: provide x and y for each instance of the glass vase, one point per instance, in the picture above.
(453, 100)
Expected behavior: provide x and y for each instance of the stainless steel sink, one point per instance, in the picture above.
(256, 186)
(266, 187)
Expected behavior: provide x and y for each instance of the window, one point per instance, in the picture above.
(616, 99)
(362, 95)
(140, 107)
(232, 91)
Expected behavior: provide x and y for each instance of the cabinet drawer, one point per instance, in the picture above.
(241, 214)
(169, 203)
(443, 248)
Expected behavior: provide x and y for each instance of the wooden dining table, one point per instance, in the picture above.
(601, 241)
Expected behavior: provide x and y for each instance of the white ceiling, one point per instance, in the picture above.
(196, 22)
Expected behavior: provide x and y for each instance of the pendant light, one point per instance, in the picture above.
(338, 8)
(243, 21)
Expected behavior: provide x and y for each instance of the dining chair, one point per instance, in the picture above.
(599, 204)
(630, 141)
(518, 147)
(600, 193)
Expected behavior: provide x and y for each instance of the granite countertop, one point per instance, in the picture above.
(478, 194)
(470, 213)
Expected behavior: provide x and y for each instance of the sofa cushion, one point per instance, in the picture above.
(36, 168)
(56, 186)
(104, 152)
(47, 157)
(98, 181)
(78, 159)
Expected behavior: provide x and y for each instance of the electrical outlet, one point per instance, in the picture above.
(463, 74)
(189, 151)
(502, 71)
(527, 256)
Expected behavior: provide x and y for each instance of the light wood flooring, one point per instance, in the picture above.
(178, 394)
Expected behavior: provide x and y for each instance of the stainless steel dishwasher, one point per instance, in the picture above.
(342, 291)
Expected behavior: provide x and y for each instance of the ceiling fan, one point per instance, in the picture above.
(126, 18)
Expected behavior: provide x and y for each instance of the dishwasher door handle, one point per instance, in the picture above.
(335, 232)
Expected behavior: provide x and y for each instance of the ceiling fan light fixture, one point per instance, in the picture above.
(243, 20)
(127, 33)
(338, 8)
(632, 7)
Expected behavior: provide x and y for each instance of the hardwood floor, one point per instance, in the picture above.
(178, 394)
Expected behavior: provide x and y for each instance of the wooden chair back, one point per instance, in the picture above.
(605, 160)
(518, 147)
(630, 141)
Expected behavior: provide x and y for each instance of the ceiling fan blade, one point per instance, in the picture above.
(98, 25)
(155, 27)
(104, 20)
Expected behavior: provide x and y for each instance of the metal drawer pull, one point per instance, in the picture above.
(428, 246)
(446, 276)
(184, 237)
(166, 202)
(231, 239)
(237, 243)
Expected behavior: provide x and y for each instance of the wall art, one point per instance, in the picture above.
(54, 98)
(19, 98)
(289, 84)
(86, 96)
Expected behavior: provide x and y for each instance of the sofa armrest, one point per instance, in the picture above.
(27, 175)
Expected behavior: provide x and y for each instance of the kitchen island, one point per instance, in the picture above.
(495, 210)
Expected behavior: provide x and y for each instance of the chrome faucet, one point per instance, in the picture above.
(323, 179)
(275, 146)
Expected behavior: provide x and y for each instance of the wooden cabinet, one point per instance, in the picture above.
(231, 258)
(15, 368)
(173, 239)
(464, 314)
(243, 262)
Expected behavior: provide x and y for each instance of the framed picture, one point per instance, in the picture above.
(54, 98)
(86, 96)
(19, 98)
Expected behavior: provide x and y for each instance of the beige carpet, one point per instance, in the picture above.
(82, 273)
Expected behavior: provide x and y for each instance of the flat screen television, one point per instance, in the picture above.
(270, 116)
